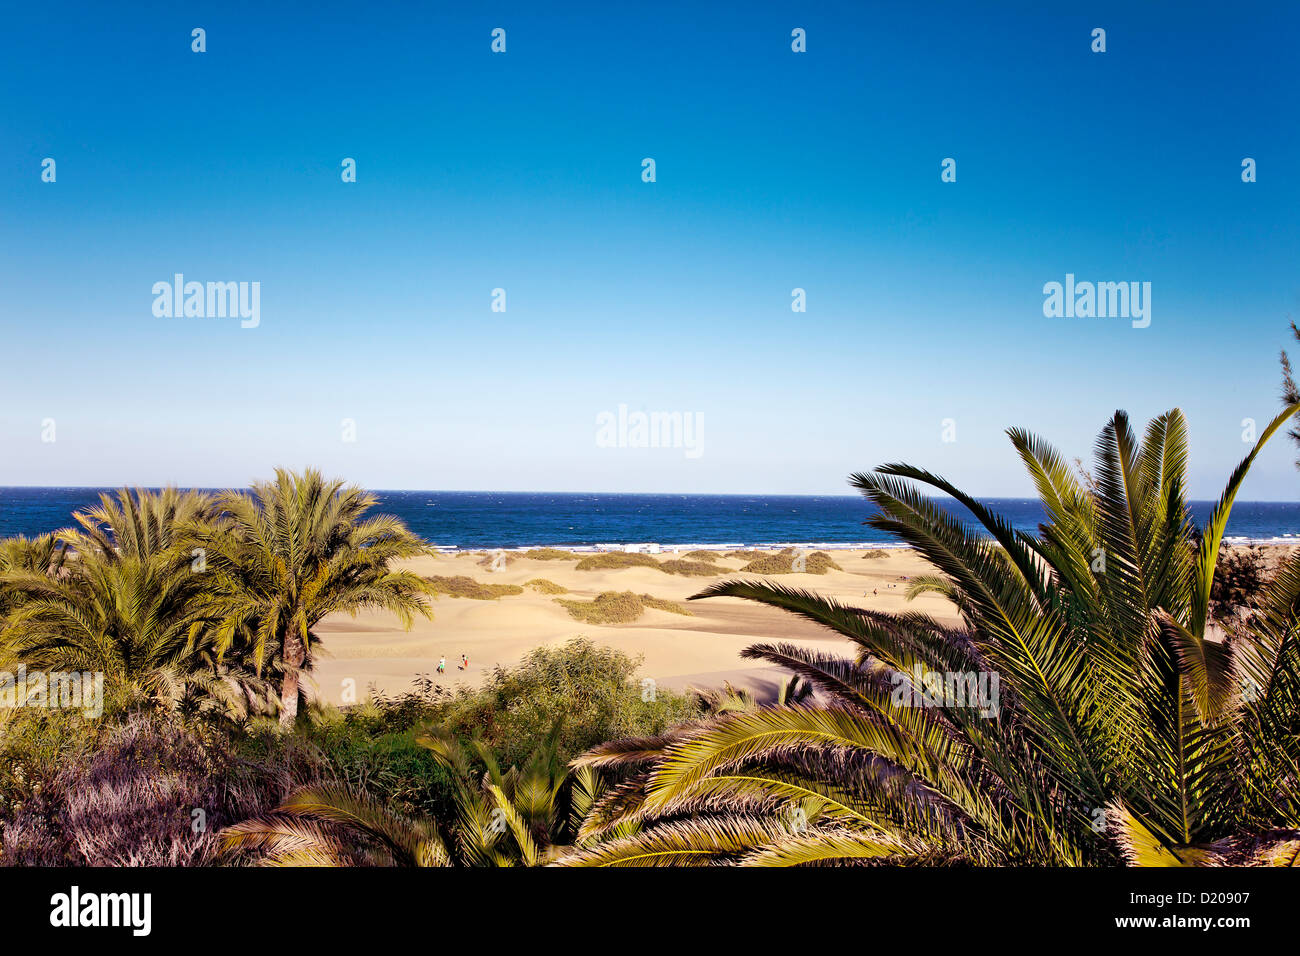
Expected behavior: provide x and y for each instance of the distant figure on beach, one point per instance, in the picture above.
(442, 664)
(464, 662)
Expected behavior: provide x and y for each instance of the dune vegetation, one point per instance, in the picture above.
(617, 607)
(609, 560)
(706, 556)
(613, 560)
(551, 554)
(124, 789)
(690, 569)
(503, 792)
(545, 586)
(463, 586)
(1116, 688)
(792, 562)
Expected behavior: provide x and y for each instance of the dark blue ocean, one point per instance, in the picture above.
(471, 519)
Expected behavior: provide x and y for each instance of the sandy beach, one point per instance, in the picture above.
(701, 650)
(679, 652)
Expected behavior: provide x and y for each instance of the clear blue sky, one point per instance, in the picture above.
(775, 170)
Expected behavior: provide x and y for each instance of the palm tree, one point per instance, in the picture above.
(1119, 730)
(731, 699)
(139, 522)
(794, 691)
(725, 700)
(502, 819)
(337, 826)
(289, 553)
(116, 594)
(140, 621)
(44, 554)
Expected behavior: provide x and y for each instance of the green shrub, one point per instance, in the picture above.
(620, 559)
(391, 763)
(665, 605)
(615, 559)
(770, 564)
(463, 586)
(819, 562)
(369, 745)
(72, 789)
(609, 607)
(544, 586)
(618, 607)
(551, 554)
(690, 568)
(593, 688)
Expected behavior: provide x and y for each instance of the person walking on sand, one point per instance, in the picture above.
(464, 662)
(442, 664)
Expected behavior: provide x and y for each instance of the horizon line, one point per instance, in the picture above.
(645, 494)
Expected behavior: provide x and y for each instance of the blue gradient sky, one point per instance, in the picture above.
(522, 171)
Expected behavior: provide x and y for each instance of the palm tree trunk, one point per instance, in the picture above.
(294, 654)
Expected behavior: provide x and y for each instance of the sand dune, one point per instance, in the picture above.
(679, 652)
